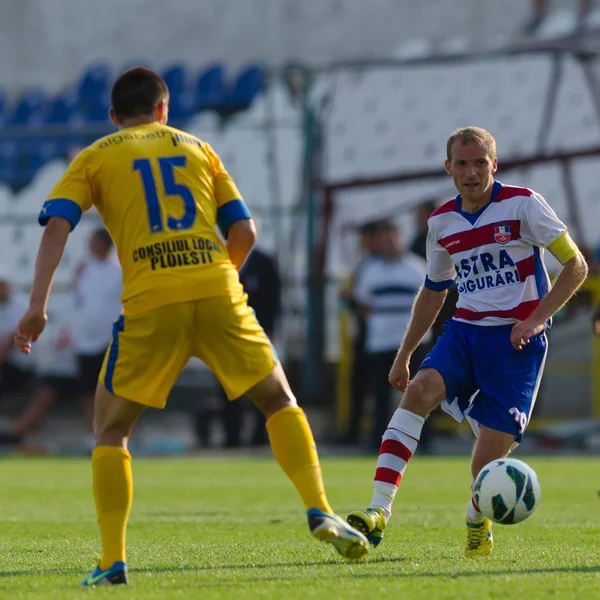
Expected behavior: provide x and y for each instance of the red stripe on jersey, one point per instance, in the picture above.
(447, 207)
(473, 238)
(510, 191)
(388, 476)
(396, 448)
(526, 267)
(520, 312)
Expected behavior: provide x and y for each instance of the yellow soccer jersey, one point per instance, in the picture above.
(161, 193)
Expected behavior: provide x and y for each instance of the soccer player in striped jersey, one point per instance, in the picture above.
(161, 193)
(487, 365)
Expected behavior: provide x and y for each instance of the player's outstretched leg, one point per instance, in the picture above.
(113, 483)
(491, 445)
(295, 450)
(399, 443)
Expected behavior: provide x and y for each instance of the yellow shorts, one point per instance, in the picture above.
(149, 350)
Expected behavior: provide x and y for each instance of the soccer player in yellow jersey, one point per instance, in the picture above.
(161, 193)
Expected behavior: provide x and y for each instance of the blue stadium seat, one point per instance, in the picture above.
(3, 115)
(210, 88)
(63, 110)
(250, 83)
(45, 151)
(8, 161)
(181, 100)
(94, 82)
(176, 78)
(29, 109)
(97, 111)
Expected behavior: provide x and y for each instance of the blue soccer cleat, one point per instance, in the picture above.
(116, 575)
(333, 530)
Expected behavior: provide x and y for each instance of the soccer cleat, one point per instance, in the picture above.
(371, 522)
(335, 531)
(480, 540)
(117, 574)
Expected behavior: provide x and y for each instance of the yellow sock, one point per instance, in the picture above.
(113, 492)
(294, 448)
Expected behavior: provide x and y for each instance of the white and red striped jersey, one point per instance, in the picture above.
(495, 255)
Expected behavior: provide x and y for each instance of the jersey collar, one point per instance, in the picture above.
(472, 217)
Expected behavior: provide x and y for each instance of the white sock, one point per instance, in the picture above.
(399, 444)
(472, 512)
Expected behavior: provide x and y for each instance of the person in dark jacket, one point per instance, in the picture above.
(260, 278)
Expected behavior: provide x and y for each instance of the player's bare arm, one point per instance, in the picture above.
(241, 238)
(425, 310)
(567, 283)
(50, 252)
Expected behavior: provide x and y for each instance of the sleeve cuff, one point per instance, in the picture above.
(60, 207)
(230, 213)
(438, 286)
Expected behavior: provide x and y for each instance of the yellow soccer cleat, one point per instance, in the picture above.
(371, 522)
(480, 541)
(349, 542)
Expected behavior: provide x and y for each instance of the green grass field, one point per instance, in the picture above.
(225, 528)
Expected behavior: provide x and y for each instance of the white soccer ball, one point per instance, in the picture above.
(507, 491)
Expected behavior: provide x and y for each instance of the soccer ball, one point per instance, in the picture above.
(507, 491)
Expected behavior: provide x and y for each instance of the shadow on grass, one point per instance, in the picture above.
(191, 568)
(365, 575)
(289, 576)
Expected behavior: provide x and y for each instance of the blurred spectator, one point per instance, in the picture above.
(422, 213)
(360, 371)
(56, 384)
(260, 278)
(385, 290)
(97, 290)
(98, 286)
(539, 9)
(15, 367)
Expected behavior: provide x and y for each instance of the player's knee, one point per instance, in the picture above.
(273, 393)
(415, 398)
(424, 392)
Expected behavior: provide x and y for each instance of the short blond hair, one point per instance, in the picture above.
(472, 135)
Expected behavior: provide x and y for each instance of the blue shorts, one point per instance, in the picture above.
(487, 380)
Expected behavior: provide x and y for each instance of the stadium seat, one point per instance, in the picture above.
(94, 82)
(557, 24)
(250, 82)
(8, 162)
(181, 104)
(3, 115)
(29, 109)
(6, 198)
(575, 125)
(63, 110)
(176, 78)
(210, 88)
(413, 48)
(386, 120)
(585, 178)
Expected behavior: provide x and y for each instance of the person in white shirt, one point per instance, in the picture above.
(97, 289)
(15, 372)
(386, 287)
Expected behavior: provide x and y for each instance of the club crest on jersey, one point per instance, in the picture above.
(502, 234)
